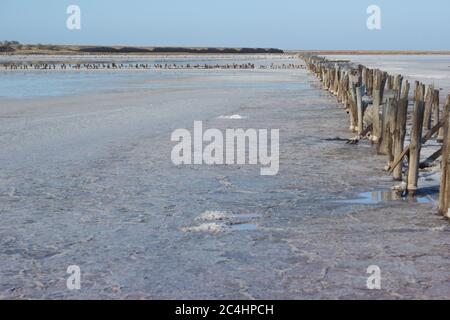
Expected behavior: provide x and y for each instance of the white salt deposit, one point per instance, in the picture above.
(213, 215)
(232, 117)
(208, 227)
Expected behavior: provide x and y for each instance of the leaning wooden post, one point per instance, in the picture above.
(444, 192)
(416, 137)
(402, 113)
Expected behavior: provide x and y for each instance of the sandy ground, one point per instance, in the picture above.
(88, 181)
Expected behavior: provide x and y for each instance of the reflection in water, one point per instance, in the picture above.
(380, 196)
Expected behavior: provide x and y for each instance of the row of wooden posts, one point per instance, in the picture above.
(378, 105)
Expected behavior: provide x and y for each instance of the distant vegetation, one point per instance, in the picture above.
(9, 46)
(178, 50)
(14, 47)
(217, 50)
(114, 50)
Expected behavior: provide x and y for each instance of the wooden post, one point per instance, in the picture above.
(376, 100)
(389, 83)
(436, 116)
(416, 137)
(383, 142)
(377, 94)
(370, 82)
(339, 88)
(335, 80)
(342, 87)
(364, 76)
(345, 90)
(435, 107)
(398, 85)
(444, 192)
(428, 108)
(353, 108)
(360, 110)
(400, 133)
(383, 146)
(391, 116)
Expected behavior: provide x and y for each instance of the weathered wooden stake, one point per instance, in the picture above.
(383, 145)
(435, 108)
(376, 96)
(400, 132)
(428, 108)
(444, 192)
(353, 107)
(391, 116)
(416, 137)
(360, 108)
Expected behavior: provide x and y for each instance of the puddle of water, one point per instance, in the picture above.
(380, 196)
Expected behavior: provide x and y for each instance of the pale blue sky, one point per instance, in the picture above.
(285, 24)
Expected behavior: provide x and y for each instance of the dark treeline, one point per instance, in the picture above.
(8, 46)
(16, 47)
(178, 50)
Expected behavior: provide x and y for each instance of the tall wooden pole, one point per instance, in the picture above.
(400, 133)
(444, 192)
(416, 137)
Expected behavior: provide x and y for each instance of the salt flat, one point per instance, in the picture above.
(86, 179)
(429, 69)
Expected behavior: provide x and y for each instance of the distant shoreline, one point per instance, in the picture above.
(20, 49)
(15, 48)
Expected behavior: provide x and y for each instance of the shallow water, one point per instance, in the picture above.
(18, 85)
(41, 83)
(381, 196)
